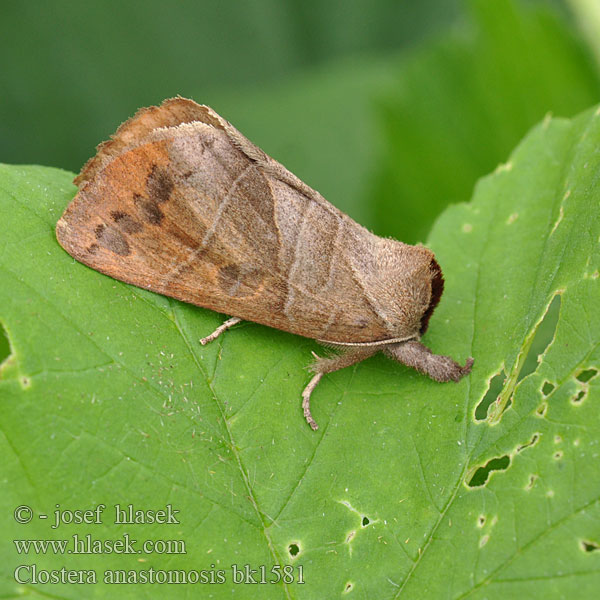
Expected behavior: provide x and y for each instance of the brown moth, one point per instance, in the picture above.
(181, 203)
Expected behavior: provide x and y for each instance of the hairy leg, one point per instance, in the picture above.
(219, 330)
(418, 356)
(328, 365)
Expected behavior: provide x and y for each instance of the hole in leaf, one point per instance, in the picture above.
(543, 337)
(547, 388)
(588, 546)
(294, 549)
(7, 356)
(558, 455)
(4, 344)
(532, 442)
(481, 521)
(348, 587)
(541, 410)
(579, 397)
(482, 474)
(365, 521)
(531, 482)
(495, 387)
(587, 374)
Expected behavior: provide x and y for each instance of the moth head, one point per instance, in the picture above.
(408, 285)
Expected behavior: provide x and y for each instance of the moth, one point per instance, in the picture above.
(179, 202)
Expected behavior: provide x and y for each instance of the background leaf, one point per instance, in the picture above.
(410, 489)
(101, 62)
(461, 104)
(108, 397)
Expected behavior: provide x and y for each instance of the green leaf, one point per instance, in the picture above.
(109, 398)
(587, 15)
(462, 103)
(189, 48)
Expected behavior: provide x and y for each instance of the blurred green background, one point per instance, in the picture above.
(391, 109)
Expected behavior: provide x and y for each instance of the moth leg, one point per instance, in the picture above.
(219, 330)
(418, 356)
(328, 365)
(312, 384)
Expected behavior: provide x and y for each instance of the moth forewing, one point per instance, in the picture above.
(180, 203)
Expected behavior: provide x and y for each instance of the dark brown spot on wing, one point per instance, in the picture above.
(125, 222)
(239, 281)
(159, 184)
(112, 239)
(149, 209)
(93, 248)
